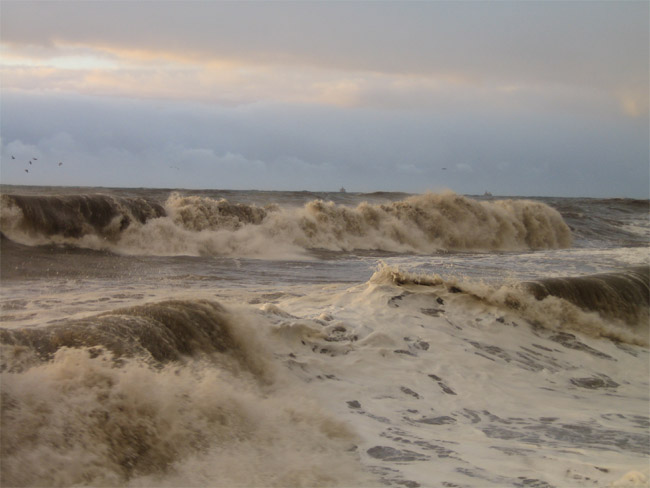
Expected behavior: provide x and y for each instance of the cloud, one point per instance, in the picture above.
(315, 95)
(464, 167)
(600, 46)
(503, 165)
(112, 142)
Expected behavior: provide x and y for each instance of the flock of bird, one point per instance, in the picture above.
(32, 160)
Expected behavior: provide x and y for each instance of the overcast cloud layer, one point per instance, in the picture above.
(516, 98)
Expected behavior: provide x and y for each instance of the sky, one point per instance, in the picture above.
(518, 98)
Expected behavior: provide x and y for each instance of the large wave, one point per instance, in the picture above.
(159, 332)
(177, 393)
(195, 225)
(609, 305)
(73, 216)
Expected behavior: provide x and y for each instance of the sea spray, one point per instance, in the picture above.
(168, 358)
(203, 226)
(170, 405)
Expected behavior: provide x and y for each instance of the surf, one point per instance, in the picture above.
(162, 394)
(609, 305)
(203, 226)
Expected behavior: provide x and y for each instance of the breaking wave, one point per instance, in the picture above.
(196, 225)
(159, 332)
(73, 216)
(610, 305)
(624, 295)
(164, 394)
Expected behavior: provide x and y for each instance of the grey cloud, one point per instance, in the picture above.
(584, 43)
(112, 142)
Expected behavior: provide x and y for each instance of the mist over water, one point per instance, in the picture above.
(220, 338)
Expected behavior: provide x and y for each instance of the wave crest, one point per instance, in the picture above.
(203, 226)
(610, 305)
(74, 216)
(430, 222)
(202, 213)
(160, 332)
(88, 417)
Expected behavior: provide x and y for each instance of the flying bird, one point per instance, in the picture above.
(60, 164)
(13, 157)
(26, 171)
(35, 159)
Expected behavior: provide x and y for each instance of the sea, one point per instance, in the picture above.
(212, 338)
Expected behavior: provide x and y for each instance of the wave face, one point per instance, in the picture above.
(609, 305)
(624, 295)
(73, 216)
(176, 393)
(195, 225)
(160, 332)
(430, 222)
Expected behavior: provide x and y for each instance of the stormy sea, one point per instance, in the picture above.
(193, 338)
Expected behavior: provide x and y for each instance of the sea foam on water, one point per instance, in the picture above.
(157, 338)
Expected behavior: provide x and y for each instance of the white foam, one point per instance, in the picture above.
(469, 393)
(462, 390)
(631, 479)
(80, 420)
(201, 226)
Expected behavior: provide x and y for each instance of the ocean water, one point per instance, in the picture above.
(246, 338)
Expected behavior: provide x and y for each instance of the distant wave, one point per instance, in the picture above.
(73, 216)
(613, 221)
(197, 225)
